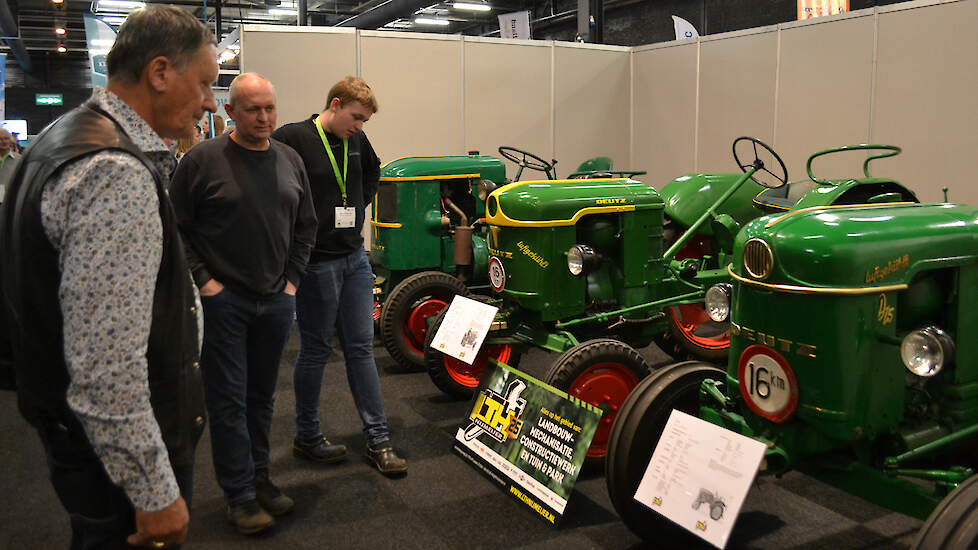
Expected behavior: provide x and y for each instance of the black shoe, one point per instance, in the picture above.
(271, 498)
(319, 451)
(249, 518)
(386, 460)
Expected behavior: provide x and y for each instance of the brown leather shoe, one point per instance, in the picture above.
(249, 518)
(319, 451)
(385, 458)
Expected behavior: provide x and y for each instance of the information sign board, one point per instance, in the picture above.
(528, 437)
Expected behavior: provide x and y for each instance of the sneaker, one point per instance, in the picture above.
(248, 517)
(271, 498)
(319, 451)
(385, 458)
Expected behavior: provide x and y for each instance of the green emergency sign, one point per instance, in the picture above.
(48, 99)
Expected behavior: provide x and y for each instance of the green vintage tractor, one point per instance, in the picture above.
(850, 358)
(428, 237)
(592, 271)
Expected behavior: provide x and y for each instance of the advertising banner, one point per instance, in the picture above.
(100, 37)
(528, 437)
(808, 9)
(515, 25)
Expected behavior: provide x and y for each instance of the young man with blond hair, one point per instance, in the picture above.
(336, 297)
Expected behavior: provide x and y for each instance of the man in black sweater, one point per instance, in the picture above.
(336, 297)
(246, 214)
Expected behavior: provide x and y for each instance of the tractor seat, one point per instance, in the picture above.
(784, 197)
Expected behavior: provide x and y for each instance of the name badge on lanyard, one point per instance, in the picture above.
(346, 216)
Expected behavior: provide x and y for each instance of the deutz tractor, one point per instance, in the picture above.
(590, 270)
(852, 358)
(429, 237)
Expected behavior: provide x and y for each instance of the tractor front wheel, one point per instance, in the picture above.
(634, 436)
(954, 523)
(404, 317)
(601, 372)
(458, 378)
(693, 335)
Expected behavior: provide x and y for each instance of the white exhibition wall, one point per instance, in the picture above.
(902, 74)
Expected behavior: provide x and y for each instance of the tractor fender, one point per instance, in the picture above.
(687, 197)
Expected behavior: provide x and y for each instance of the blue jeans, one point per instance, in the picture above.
(336, 297)
(243, 343)
(101, 514)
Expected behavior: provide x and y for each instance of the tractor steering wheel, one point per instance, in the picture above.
(762, 176)
(524, 159)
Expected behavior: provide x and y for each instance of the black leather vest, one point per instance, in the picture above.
(30, 278)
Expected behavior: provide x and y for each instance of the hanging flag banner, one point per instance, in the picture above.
(684, 29)
(527, 437)
(3, 85)
(515, 25)
(808, 9)
(100, 37)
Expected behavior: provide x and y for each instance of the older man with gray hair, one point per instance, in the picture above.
(100, 317)
(246, 213)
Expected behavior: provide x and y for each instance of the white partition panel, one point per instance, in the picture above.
(737, 91)
(664, 126)
(592, 105)
(418, 83)
(925, 98)
(302, 63)
(507, 97)
(824, 94)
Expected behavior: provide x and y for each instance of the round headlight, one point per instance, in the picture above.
(926, 351)
(581, 257)
(717, 302)
(484, 188)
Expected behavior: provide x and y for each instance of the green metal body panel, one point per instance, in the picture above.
(847, 284)
(687, 197)
(407, 232)
(622, 218)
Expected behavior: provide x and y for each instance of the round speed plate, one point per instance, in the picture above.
(497, 274)
(767, 383)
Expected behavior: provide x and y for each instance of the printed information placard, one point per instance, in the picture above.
(699, 476)
(464, 328)
(528, 437)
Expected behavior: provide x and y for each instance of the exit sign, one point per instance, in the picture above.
(48, 99)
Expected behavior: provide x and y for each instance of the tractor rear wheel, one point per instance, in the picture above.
(601, 372)
(693, 335)
(634, 436)
(954, 523)
(404, 317)
(455, 377)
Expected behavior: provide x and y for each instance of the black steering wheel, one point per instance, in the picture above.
(763, 175)
(524, 159)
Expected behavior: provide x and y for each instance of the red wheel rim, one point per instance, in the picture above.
(416, 325)
(468, 375)
(376, 310)
(697, 327)
(604, 385)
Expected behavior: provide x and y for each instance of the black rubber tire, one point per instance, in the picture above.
(564, 375)
(435, 364)
(399, 305)
(953, 525)
(681, 348)
(634, 436)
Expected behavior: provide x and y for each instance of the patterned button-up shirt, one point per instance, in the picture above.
(101, 212)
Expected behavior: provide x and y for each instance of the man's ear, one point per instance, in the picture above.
(227, 109)
(334, 105)
(158, 73)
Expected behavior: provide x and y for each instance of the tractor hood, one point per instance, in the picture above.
(855, 248)
(552, 203)
(481, 166)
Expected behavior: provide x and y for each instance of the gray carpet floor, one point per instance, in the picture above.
(443, 503)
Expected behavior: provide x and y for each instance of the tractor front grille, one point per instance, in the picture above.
(758, 259)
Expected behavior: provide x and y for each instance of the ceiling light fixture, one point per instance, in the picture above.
(431, 21)
(114, 19)
(57, 1)
(280, 11)
(61, 48)
(121, 4)
(60, 31)
(471, 6)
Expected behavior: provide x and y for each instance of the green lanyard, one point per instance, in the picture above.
(4, 160)
(340, 178)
